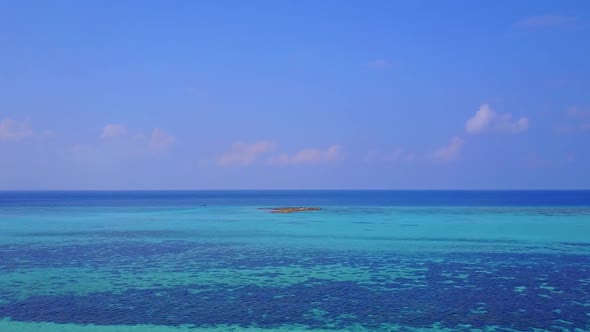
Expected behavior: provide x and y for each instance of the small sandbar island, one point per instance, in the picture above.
(292, 209)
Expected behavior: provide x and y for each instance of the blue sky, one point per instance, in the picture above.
(295, 95)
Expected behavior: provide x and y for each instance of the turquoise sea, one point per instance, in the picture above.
(167, 261)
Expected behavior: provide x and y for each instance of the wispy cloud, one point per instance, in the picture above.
(113, 130)
(558, 82)
(573, 128)
(398, 154)
(160, 140)
(545, 21)
(537, 161)
(117, 146)
(577, 112)
(450, 151)
(156, 140)
(12, 130)
(578, 120)
(309, 156)
(487, 120)
(379, 64)
(245, 153)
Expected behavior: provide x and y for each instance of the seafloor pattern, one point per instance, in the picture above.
(179, 283)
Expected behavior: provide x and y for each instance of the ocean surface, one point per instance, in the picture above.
(167, 261)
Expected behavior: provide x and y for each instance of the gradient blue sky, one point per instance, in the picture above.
(294, 94)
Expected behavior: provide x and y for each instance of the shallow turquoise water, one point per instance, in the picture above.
(119, 265)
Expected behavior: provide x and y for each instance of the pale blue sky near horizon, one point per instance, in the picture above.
(294, 95)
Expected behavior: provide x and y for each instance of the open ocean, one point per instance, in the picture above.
(167, 261)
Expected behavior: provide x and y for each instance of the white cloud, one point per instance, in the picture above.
(160, 140)
(546, 21)
(308, 156)
(481, 120)
(506, 124)
(450, 151)
(487, 120)
(380, 64)
(245, 153)
(113, 130)
(11, 130)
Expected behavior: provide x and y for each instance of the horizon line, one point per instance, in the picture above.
(194, 190)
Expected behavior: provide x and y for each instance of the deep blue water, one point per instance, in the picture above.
(299, 197)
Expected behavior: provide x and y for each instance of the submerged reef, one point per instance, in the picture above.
(293, 209)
